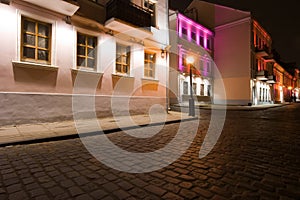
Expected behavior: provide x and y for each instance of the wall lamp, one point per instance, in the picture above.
(162, 54)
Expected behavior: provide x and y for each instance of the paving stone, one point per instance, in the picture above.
(156, 190)
(187, 194)
(172, 196)
(98, 194)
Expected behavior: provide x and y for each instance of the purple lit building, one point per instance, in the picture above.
(190, 39)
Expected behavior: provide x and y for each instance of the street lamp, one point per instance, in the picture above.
(290, 91)
(190, 62)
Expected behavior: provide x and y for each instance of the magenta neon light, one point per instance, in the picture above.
(194, 24)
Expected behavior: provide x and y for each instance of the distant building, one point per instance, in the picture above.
(242, 52)
(190, 39)
(117, 46)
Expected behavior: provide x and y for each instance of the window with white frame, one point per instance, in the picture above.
(202, 89)
(35, 41)
(123, 59)
(194, 88)
(185, 87)
(149, 64)
(86, 51)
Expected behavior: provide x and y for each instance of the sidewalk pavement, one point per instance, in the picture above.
(51, 131)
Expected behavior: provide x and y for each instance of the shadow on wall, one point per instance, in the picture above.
(37, 76)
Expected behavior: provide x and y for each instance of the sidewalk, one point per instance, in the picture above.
(51, 131)
(185, 106)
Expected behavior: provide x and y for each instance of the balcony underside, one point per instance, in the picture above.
(60, 6)
(262, 76)
(125, 28)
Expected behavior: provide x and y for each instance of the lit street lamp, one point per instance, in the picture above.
(190, 62)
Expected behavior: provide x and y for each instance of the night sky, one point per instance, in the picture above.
(279, 18)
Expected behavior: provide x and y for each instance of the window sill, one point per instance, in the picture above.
(87, 72)
(149, 79)
(34, 65)
(122, 76)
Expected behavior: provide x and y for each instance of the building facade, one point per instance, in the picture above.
(190, 39)
(242, 52)
(109, 49)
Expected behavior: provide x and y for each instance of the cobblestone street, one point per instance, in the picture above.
(256, 157)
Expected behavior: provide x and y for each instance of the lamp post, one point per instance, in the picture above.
(190, 62)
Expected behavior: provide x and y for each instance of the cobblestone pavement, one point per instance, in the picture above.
(256, 157)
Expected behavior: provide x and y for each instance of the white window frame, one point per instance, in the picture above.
(98, 50)
(53, 23)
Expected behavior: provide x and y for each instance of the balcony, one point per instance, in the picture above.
(262, 75)
(271, 79)
(125, 17)
(262, 51)
(67, 7)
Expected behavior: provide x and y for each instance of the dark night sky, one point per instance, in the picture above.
(279, 18)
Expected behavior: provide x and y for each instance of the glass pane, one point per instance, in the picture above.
(92, 41)
(29, 26)
(80, 39)
(43, 30)
(81, 50)
(43, 42)
(28, 52)
(119, 59)
(80, 62)
(91, 63)
(29, 39)
(150, 74)
(118, 68)
(91, 52)
(126, 69)
(123, 59)
(42, 55)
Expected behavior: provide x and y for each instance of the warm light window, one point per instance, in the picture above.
(86, 51)
(149, 67)
(36, 40)
(123, 59)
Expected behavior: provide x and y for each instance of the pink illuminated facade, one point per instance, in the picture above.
(192, 40)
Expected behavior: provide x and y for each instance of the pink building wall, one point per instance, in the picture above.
(33, 93)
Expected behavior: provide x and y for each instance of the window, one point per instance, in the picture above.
(184, 32)
(86, 51)
(150, 6)
(184, 61)
(149, 67)
(202, 89)
(194, 88)
(208, 45)
(185, 87)
(194, 36)
(35, 41)
(208, 66)
(201, 41)
(123, 59)
(201, 64)
(209, 90)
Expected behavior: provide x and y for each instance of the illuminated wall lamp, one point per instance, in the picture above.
(162, 54)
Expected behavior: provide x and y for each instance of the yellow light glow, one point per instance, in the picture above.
(290, 87)
(190, 60)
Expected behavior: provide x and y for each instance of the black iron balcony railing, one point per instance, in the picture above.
(128, 12)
